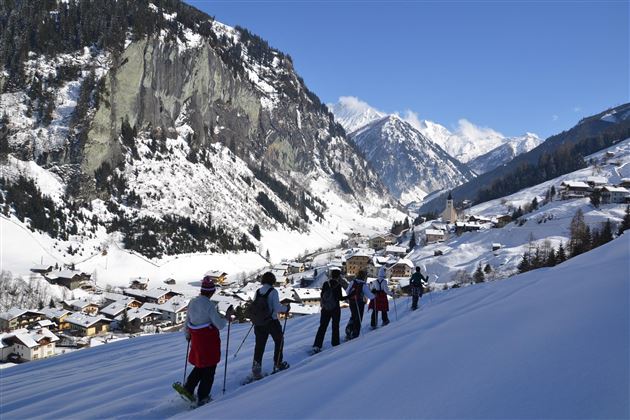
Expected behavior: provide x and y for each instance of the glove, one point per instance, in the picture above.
(288, 307)
(229, 313)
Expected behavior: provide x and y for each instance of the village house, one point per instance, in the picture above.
(158, 295)
(81, 305)
(308, 296)
(298, 309)
(574, 189)
(496, 246)
(130, 301)
(624, 183)
(140, 283)
(22, 345)
(614, 195)
(173, 311)
(596, 181)
(45, 323)
(403, 268)
(378, 242)
(16, 318)
(71, 279)
(462, 227)
(397, 251)
(42, 269)
(86, 326)
(58, 316)
(434, 235)
(357, 262)
(218, 277)
(296, 267)
(502, 220)
(377, 262)
(114, 309)
(281, 276)
(141, 317)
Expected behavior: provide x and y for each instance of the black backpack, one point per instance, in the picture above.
(329, 302)
(259, 312)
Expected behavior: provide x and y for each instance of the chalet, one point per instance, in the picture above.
(42, 269)
(502, 220)
(218, 277)
(157, 295)
(378, 242)
(479, 219)
(140, 283)
(357, 262)
(169, 281)
(281, 276)
(81, 305)
(375, 265)
(16, 318)
(434, 235)
(398, 251)
(461, 227)
(624, 183)
(71, 279)
(58, 316)
(496, 246)
(296, 267)
(28, 345)
(86, 325)
(114, 309)
(614, 195)
(308, 296)
(110, 298)
(141, 317)
(596, 181)
(45, 323)
(403, 268)
(574, 189)
(173, 311)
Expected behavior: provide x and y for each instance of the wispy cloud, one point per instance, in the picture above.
(412, 118)
(554, 117)
(577, 109)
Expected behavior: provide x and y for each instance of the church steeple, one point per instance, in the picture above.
(449, 214)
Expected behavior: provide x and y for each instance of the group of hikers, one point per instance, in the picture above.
(203, 322)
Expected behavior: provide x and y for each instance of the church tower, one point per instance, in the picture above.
(449, 214)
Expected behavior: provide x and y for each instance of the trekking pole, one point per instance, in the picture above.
(186, 362)
(243, 342)
(284, 327)
(227, 348)
(395, 310)
(356, 304)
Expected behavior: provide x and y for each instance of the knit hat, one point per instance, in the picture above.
(207, 285)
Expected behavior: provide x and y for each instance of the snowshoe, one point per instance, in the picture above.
(179, 388)
(204, 401)
(280, 367)
(315, 350)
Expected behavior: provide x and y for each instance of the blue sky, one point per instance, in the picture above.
(514, 66)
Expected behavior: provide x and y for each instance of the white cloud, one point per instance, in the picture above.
(475, 132)
(577, 109)
(412, 118)
(355, 104)
(554, 117)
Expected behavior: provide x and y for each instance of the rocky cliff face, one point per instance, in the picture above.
(183, 118)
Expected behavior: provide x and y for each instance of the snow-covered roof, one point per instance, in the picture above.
(616, 189)
(360, 253)
(300, 309)
(15, 312)
(54, 312)
(40, 267)
(434, 232)
(139, 313)
(307, 293)
(574, 184)
(45, 323)
(32, 338)
(115, 296)
(405, 261)
(496, 245)
(286, 293)
(114, 309)
(596, 180)
(78, 303)
(65, 274)
(156, 293)
(215, 273)
(176, 304)
(84, 320)
(396, 249)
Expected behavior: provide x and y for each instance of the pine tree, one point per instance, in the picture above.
(412, 240)
(487, 269)
(551, 258)
(524, 265)
(51, 304)
(580, 237)
(625, 223)
(606, 234)
(479, 277)
(256, 232)
(561, 255)
(125, 325)
(535, 203)
(596, 198)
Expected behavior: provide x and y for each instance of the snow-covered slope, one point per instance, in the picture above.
(409, 164)
(352, 113)
(549, 222)
(552, 343)
(500, 155)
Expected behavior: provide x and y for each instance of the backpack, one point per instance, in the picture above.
(329, 302)
(259, 311)
(357, 291)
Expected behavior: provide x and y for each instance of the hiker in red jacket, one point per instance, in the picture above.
(203, 323)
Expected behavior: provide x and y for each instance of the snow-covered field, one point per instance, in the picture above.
(551, 343)
(550, 221)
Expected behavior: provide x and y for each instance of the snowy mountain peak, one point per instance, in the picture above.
(352, 113)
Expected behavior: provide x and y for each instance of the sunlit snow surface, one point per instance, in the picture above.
(552, 343)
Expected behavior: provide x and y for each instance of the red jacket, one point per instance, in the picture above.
(205, 346)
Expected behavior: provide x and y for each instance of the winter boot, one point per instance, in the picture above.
(204, 401)
(316, 349)
(280, 366)
(256, 371)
